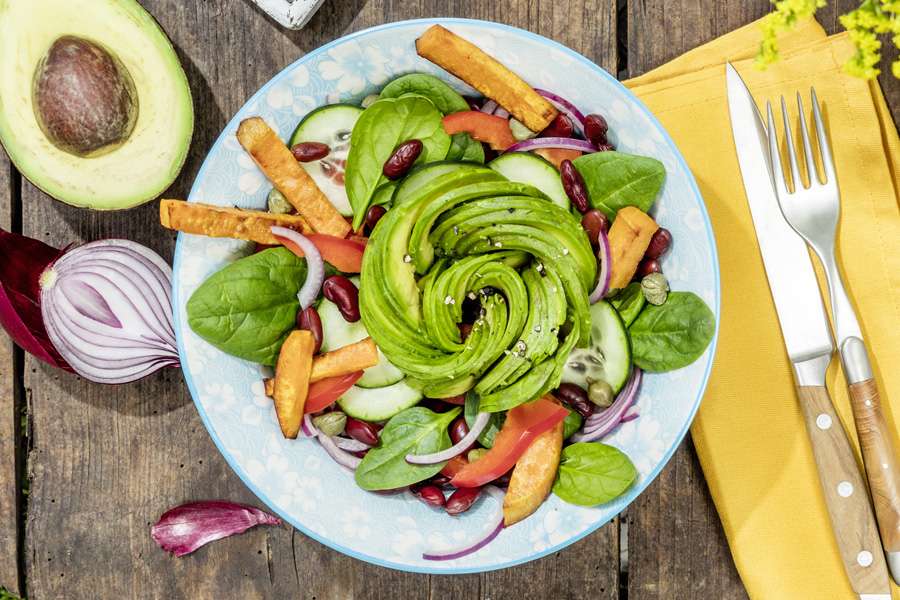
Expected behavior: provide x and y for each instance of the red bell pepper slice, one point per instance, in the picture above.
(454, 466)
(324, 392)
(523, 424)
(345, 255)
(481, 126)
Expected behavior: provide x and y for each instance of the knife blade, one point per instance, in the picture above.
(807, 337)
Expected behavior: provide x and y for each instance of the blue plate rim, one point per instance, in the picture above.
(635, 491)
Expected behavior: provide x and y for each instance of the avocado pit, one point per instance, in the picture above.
(85, 100)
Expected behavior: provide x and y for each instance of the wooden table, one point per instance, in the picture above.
(85, 469)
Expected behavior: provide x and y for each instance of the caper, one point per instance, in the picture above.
(278, 204)
(331, 423)
(655, 288)
(600, 393)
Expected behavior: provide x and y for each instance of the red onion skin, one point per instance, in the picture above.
(24, 260)
(183, 529)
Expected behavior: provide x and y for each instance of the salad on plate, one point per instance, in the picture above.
(459, 295)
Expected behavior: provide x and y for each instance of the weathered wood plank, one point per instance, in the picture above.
(9, 419)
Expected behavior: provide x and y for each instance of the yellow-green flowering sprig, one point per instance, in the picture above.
(872, 19)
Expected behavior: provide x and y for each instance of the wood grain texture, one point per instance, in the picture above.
(9, 419)
(876, 440)
(845, 492)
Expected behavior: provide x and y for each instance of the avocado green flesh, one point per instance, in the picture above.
(148, 161)
(461, 232)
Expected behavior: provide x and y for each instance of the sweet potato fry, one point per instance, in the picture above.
(346, 359)
(484, 73)
(292, 380)
(286, 174)
(629, 238)
(269, 383)
(221, 221)
(533, 476)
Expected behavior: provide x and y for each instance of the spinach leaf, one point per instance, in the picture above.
(464, 148)
(674, 335)
(445, 98)
(379, 130)
(629, 302)
(416, 430)
(615, 180)
(591, 473)
(487, 436)
(571, 423)
(248, 308)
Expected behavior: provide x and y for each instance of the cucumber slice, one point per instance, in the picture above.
(379, 404)
(608, 357)
(330, 125)
(420, 176)
(336, 332)
(524, 167)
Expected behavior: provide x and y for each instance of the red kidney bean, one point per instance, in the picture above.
(561, 126)
(456, 400)
(595, 128)
(431, 495)
(342, 292)
(503, 480)
(461, 500)
(361, 431)
(474, 103)
(310, 151)
(605, 147)
(260, 247)
(647, 266)
(659, 243)
(574, 185)
(373, 215)
(435, 405)
(464, 330)
(401, 161)
(458, 430)
(309, 319)
(593, 222)
(576, 398)
(439, 480)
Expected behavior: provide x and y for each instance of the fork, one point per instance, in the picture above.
(813, 211)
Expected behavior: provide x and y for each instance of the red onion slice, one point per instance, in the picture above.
(106, 309)
(479, 542)
(600, 424)
(458, 448)
(489, 107)
(552, 142)
(349, 444)
(566, 107)
(501, 112)
(309, 430)
(315, 267)
(604, 256)
(345, 459)
(183, 529)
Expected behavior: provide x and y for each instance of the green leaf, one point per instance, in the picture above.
(248, 308)
(615, 180)
(416, 430)
(381, 128)
(464, 148)
(591, 473)
(629, 302)
(571, 424)
(673, 335)
(445, 98)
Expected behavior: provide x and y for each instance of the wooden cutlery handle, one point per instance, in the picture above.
(845, 493)
(880, 458)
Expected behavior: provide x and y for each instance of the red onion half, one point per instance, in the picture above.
(107, 308)
(604, 256)
(553, 142)
(315, 266)
(455, 450)
(482, 540)
(566, 107)
(183, 529)
(600, 424)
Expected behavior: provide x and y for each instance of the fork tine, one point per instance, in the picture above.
(824, 148)
(791, 152)
(774, 155)
(811, 172)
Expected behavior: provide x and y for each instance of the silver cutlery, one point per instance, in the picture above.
(813, 211)
(807, 337)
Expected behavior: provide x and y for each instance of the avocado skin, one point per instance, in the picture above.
(467, 233)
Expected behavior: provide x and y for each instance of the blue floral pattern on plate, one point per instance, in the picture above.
(295, 478)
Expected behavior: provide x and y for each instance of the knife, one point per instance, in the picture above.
(807, 337)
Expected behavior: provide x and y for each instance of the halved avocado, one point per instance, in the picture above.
(95, 108)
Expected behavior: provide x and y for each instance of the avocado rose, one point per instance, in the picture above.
(469, 233)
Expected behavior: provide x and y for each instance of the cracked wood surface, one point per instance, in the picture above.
(106, 461)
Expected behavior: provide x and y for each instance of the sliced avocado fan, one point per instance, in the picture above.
(469, 233)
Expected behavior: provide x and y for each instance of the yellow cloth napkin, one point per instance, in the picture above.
(749, 433)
